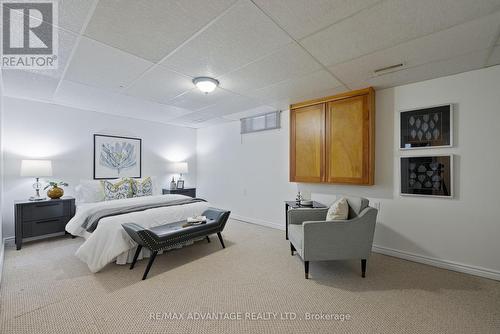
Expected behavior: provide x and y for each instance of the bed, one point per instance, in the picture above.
(100, 223)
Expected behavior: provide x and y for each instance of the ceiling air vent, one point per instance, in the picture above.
(388, 69)
(267, 121)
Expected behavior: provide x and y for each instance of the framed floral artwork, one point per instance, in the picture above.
(116, 157)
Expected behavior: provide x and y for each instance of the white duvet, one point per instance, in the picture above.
(109, 241)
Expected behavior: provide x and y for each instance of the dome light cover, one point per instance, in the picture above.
(206, 84)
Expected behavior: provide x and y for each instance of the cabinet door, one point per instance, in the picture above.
(307, 143)
(349, 141)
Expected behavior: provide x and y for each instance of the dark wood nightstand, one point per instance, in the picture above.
(191, 192)
(42, 219)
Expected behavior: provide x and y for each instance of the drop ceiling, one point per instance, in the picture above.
(138, 58)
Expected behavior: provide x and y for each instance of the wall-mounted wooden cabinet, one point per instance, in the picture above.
(332, 140)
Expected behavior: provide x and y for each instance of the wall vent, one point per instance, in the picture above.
(267, 121)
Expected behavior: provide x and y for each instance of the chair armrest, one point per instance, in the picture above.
(300, 215)
(345, 239)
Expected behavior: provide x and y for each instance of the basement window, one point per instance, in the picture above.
(268, 121)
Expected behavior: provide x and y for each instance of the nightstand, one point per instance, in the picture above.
(42, 219)
(191, 192)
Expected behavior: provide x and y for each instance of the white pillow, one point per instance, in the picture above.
(339, 210)
(89, 191)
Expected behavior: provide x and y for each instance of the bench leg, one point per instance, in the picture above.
(208, 239)
(292, 249)
(306, 268)
(150, 263)
(221, 241)
(136, 255)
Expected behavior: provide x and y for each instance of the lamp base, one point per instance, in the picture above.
(37, 198)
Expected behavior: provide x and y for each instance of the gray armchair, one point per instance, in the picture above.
(316, 239)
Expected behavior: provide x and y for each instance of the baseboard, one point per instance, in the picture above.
(2, 252)
(440, 263)
(257, 222)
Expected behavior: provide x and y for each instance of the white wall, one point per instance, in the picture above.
(36, 130)
(1, 177)
(249, 175)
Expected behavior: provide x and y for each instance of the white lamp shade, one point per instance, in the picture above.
(36, 168)
(179, 167)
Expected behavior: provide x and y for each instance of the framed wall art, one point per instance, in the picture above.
(116, 157)
(426, 127)
(427, 176)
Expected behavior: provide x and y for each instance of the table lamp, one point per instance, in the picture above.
(36, 169)
(177, 168)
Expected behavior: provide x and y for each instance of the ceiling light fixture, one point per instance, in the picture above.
(206, 84)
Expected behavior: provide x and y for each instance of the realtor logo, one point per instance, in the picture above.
(29, 36)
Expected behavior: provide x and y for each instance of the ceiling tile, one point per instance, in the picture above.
(389, 23)
(99, 65)
(195, 99)
(24, 84)
(229, 106)
(284, 104)
(299, 88)
(458, 40)
(242, 35)
(151, 29)
(287, 62)
(160, 85)
(66, 43)
(494, 58)
(73, 13)
(89, 98)
(463, 63)
(301, 18)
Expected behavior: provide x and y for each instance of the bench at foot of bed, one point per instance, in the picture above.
(165, 236)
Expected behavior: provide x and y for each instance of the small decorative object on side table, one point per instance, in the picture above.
(173, 185)
(42, 219)
(56, 191)
(191, 192)
(291, 205)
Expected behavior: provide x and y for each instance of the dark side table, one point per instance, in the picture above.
(41, 219)
(191, 192)
(290, 205)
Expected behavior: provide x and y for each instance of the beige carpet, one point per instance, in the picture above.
(45, 289)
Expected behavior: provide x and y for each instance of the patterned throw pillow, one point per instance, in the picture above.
(142, 187)
(119, 190)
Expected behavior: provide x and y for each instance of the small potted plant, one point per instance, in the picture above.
(55, 190)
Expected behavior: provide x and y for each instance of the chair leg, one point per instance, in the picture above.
(208, 239)
(363, 267)
(136, 255)
(150, 263)
(292, 249)
(221, 241)
(306, 268)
